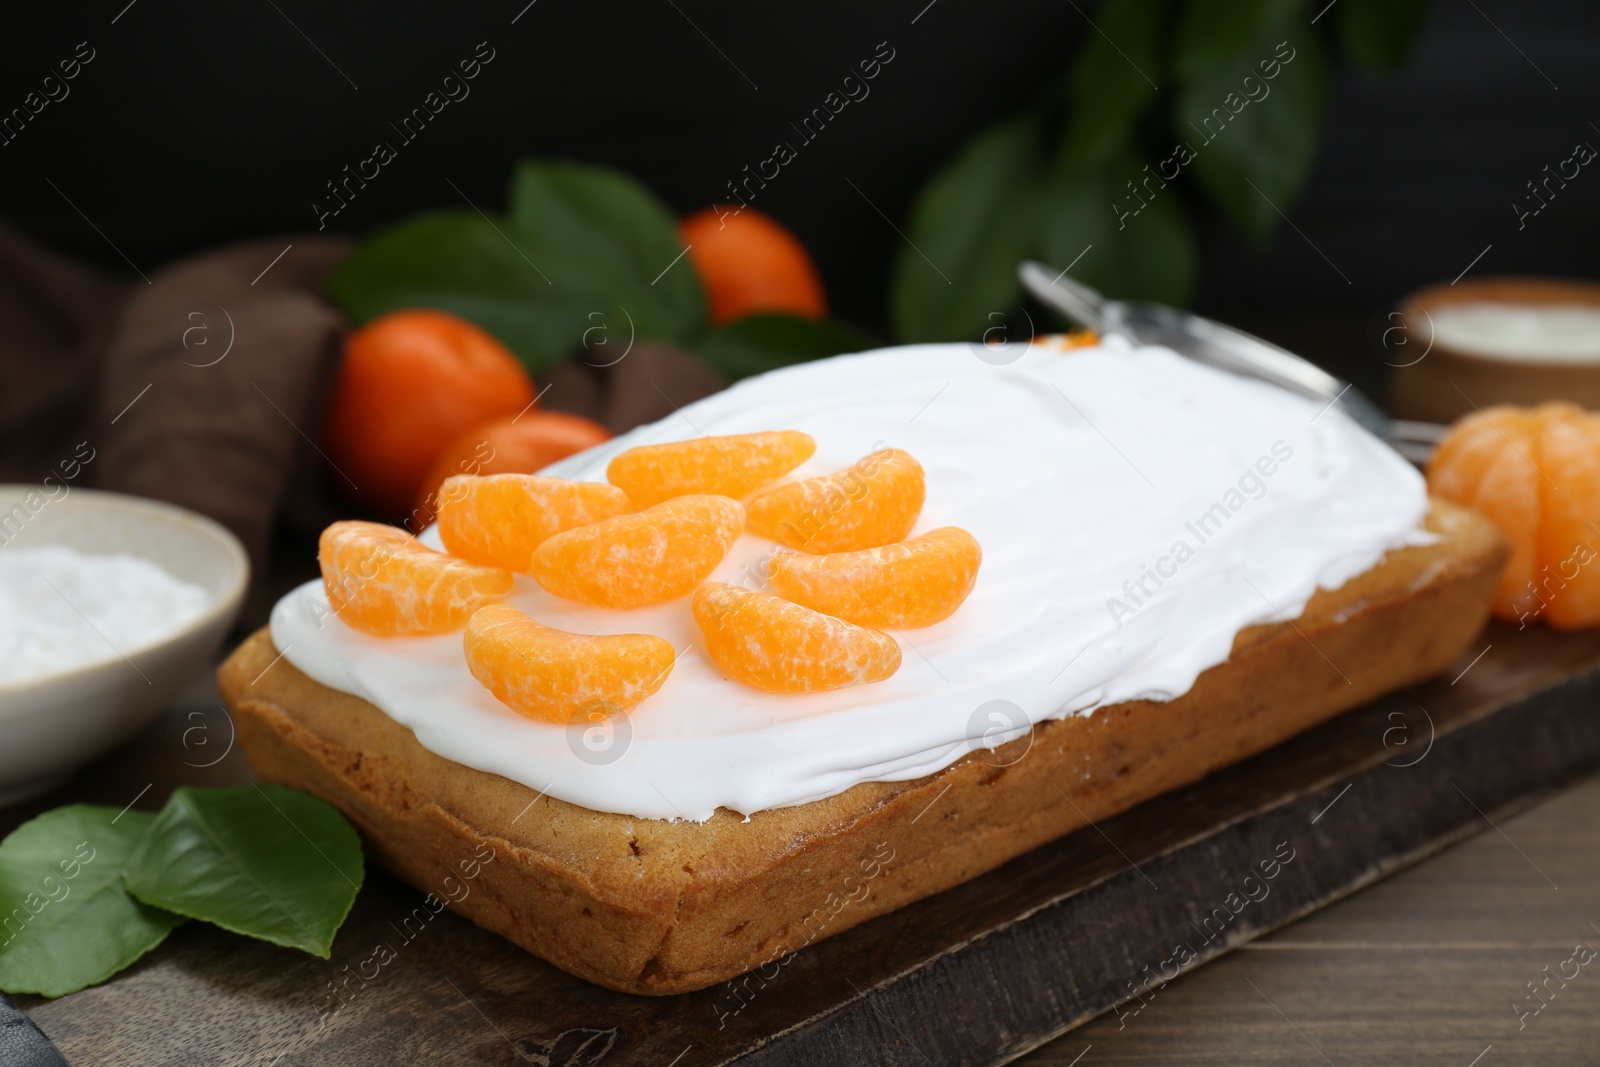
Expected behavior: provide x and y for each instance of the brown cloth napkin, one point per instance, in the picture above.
(55, 321)
(205, 384)
(212, 383)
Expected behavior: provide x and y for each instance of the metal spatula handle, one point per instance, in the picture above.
(1224, 347)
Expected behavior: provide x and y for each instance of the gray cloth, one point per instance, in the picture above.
(22, 1043)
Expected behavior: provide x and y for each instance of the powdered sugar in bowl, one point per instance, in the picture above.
(109, 605)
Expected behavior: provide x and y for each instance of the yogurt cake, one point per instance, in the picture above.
(1181, 568)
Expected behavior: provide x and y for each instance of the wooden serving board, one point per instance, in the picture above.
(977, 975)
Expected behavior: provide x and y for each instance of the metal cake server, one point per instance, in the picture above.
(1225, 348)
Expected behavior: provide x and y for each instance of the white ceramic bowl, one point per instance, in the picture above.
(50, 726)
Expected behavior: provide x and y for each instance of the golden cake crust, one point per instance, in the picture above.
(655, 907)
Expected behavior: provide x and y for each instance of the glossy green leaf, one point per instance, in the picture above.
(1114, 80)
(488, 271)
(1380, 34)
(265, 861)
(1215, 32)
(1130, 247)
(970, 227)
(601, 232)
(1253, 125)
(760, 343)
(65, 920)
(583, 244)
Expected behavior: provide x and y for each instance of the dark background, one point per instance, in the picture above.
(196, 125)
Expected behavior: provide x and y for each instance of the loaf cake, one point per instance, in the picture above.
(1181, 569)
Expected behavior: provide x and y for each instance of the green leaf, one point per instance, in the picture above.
(1127, 247)
(1215, 32)
(1114, 79)
(605, 234)
(65, 920)
(1380, 34)
(1255, 137)
(759, 343)
(970, 227)
(486, 271)
(265, 861)
(584, 244)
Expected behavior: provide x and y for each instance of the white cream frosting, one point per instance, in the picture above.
(1080, 472)
(1553, 333)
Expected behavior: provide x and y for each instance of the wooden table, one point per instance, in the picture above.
(1423, 968)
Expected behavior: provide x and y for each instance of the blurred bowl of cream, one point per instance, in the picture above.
(109, 605)
(1509, 340)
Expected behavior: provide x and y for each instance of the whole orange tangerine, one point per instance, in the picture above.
(749, 263)
(410, 383)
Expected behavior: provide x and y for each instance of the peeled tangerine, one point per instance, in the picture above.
(499, 519)
(383, 581)
(735, 465)
(875, 502)
(650, 557)
(1535, 472)
(772, 644)
(905, 585)
(556, 676)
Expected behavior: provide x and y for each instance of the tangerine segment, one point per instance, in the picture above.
(778, 646)
(875, 502)
(1465, 453)
(734, 465)
(383, 581)
(1493, 467)
(650, 557)
(1567, 585)
(556, 676)
(905, 585)
(499, 519)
